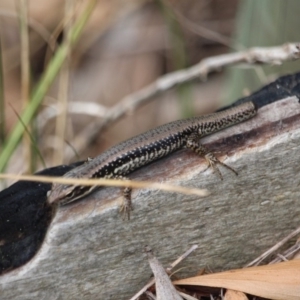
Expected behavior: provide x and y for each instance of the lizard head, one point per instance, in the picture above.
(63, 193)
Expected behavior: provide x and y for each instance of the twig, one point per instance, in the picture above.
(164, 288)
(91, 109)
(182, 257)
(152, 281)
(274, 248)
(270, 55)
(286, 254)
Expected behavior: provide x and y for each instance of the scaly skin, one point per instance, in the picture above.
(147, 147)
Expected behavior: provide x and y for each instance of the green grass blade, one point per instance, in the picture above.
(43, 86)
(2, 103)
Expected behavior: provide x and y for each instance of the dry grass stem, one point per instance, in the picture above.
(64, 82)
(25, 76)
(13, 53)
(109, 182)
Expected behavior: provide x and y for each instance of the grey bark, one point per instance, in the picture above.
(91, 253)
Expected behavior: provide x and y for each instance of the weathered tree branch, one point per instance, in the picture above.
(91, 252)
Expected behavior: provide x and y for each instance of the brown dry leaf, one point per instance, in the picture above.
(235, 295)
(278, 281)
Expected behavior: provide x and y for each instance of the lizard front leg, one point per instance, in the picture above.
(126, 205)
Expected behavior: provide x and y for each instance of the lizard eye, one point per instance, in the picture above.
(68, 198)
(71, 195)
(76, 193)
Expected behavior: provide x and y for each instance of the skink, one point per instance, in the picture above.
(128, 156)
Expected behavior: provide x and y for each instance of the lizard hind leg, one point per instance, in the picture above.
(213, 162)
